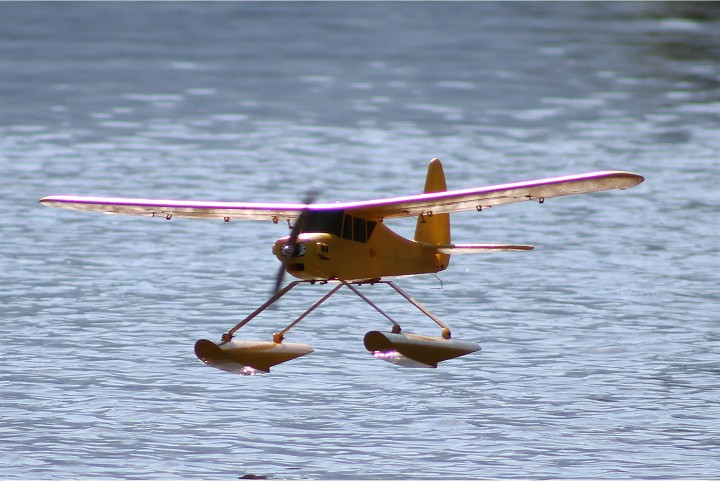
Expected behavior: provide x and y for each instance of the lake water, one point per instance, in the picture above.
(601, 348)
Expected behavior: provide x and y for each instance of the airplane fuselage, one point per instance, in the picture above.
(352, 248)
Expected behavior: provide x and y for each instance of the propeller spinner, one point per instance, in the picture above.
(291, 248)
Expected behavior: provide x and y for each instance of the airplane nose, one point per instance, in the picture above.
(287, 250)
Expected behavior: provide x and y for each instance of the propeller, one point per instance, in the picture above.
(288, 250)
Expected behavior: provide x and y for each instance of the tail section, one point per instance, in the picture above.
(434, 229)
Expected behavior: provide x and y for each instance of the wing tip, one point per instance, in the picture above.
(56, 201)
(635, 179)
(639, 179)
(48, 200)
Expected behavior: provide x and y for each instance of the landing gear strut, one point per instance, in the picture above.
(409, 350)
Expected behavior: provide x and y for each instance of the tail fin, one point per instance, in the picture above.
(434, 229)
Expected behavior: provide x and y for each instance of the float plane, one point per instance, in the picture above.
(346, 244)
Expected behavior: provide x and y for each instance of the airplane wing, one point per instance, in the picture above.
(409, 206)
(484, 197)
(178, 208)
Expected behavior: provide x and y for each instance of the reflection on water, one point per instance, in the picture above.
(600, 347)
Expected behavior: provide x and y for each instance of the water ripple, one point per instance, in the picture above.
(600, 347)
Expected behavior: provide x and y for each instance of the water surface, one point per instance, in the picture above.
(600, 348)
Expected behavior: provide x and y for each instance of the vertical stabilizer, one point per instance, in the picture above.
(432, 228)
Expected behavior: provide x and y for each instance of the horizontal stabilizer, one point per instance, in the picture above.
(480, 248)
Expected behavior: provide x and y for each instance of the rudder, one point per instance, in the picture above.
(434, 229)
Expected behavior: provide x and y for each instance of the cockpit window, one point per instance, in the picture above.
(338, 223)
(324, 221)
(357, 228)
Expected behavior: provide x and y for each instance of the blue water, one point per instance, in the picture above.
(601, 352)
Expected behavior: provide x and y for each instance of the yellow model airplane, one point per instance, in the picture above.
(349, 244)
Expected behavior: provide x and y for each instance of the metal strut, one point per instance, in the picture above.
(446, 334)
(445, 329)
(227, 337)
(279, 336)
(396, 327)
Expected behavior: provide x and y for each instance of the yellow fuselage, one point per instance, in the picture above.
(382, 253)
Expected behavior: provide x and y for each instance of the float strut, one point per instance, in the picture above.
(229, 335)
(396, 327)
(445, 329)
(279, 336)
